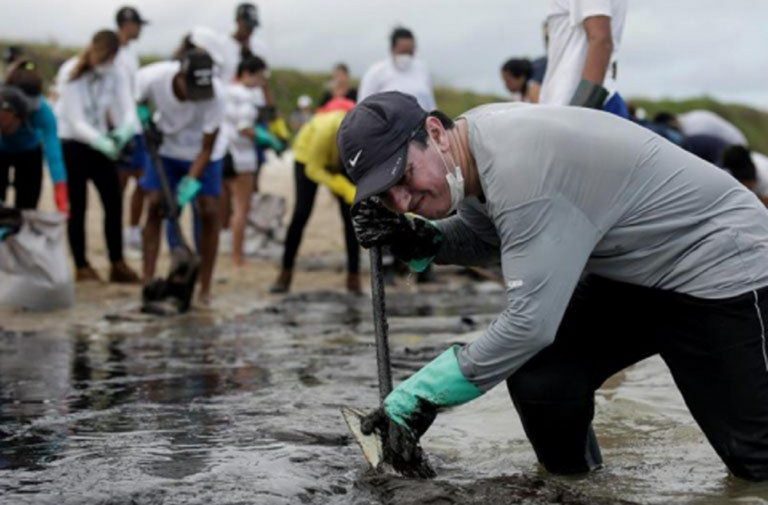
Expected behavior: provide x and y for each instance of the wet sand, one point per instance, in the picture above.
(239, 403)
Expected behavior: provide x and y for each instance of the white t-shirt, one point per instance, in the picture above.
(567, 50)
(704, 122)
(183, 124)
(127, 61)
(761, 168)
(240, 112)
(89, 106)
(225, 50)
(384, 76)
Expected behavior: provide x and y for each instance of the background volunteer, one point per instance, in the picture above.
(189, 102)
(749, 168)
(704, 122)
(339, 86)
(317, 162)
(400, 71)
(27, 133)
(91, 92)
(583, 38)
(656, 227)
(240, 163)
(523, 77)
(133, 159)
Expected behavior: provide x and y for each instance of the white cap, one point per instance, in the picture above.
(304, 101)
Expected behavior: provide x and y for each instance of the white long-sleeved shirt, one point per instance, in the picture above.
(384, 76)
(88, 106)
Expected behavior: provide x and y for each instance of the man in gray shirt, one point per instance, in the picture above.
(615, 245)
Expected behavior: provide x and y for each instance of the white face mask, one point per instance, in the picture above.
(455, 180)
(402, 62)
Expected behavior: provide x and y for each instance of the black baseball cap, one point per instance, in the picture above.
(248, 13)
(129, 15)
(197, 67)
(373, 140)
(13, 99)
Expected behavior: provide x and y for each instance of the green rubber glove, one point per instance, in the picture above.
(265, 138)
(188, 189)
(122, 135)
(145, 115)
(439, 384)
(106, 146)
(590, 95)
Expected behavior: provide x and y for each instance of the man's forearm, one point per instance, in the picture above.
(598, 58)
(599, 50)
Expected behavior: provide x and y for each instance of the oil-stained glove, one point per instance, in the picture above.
(412, 406)
(588, 94)
(411, 238)
(401, 448)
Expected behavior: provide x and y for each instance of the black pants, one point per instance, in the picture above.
(306, 189)
(84, 164)
(27, 176)
(715, 349)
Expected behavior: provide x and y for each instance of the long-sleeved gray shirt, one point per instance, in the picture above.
(569, 190)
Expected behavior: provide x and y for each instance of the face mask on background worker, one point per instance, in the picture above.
(402, 62)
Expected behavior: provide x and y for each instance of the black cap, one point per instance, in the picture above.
(197, 67)
(247, 12)
(373, 140)
(129, 15)
(13, 99)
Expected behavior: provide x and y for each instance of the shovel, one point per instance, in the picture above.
(173, 294)
(372, 445)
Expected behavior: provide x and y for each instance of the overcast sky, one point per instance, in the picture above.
(671, 48)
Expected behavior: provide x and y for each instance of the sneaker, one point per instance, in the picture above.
(121, 273)
(283, 282)
(86, 274)
(353, 284)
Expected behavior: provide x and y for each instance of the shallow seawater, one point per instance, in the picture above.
(246, 411)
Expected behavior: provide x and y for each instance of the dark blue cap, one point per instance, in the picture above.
(373, 140)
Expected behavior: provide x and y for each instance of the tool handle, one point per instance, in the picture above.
(380, 326)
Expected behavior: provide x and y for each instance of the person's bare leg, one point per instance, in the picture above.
(242, 188)
(137, 203)
(151, 235)
(123, 176)
(225, 203)
(210, 217)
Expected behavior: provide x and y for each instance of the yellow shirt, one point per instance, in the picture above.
(315, 147)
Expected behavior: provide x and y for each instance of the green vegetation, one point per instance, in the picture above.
(288, 85)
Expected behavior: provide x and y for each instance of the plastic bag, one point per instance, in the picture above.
(34, 266)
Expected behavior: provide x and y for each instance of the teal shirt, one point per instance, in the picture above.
(39, 129)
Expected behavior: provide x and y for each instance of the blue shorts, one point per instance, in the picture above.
(616, 105)
(136, 159)
(176, 169)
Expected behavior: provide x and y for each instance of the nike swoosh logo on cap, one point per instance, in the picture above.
(353, 161)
